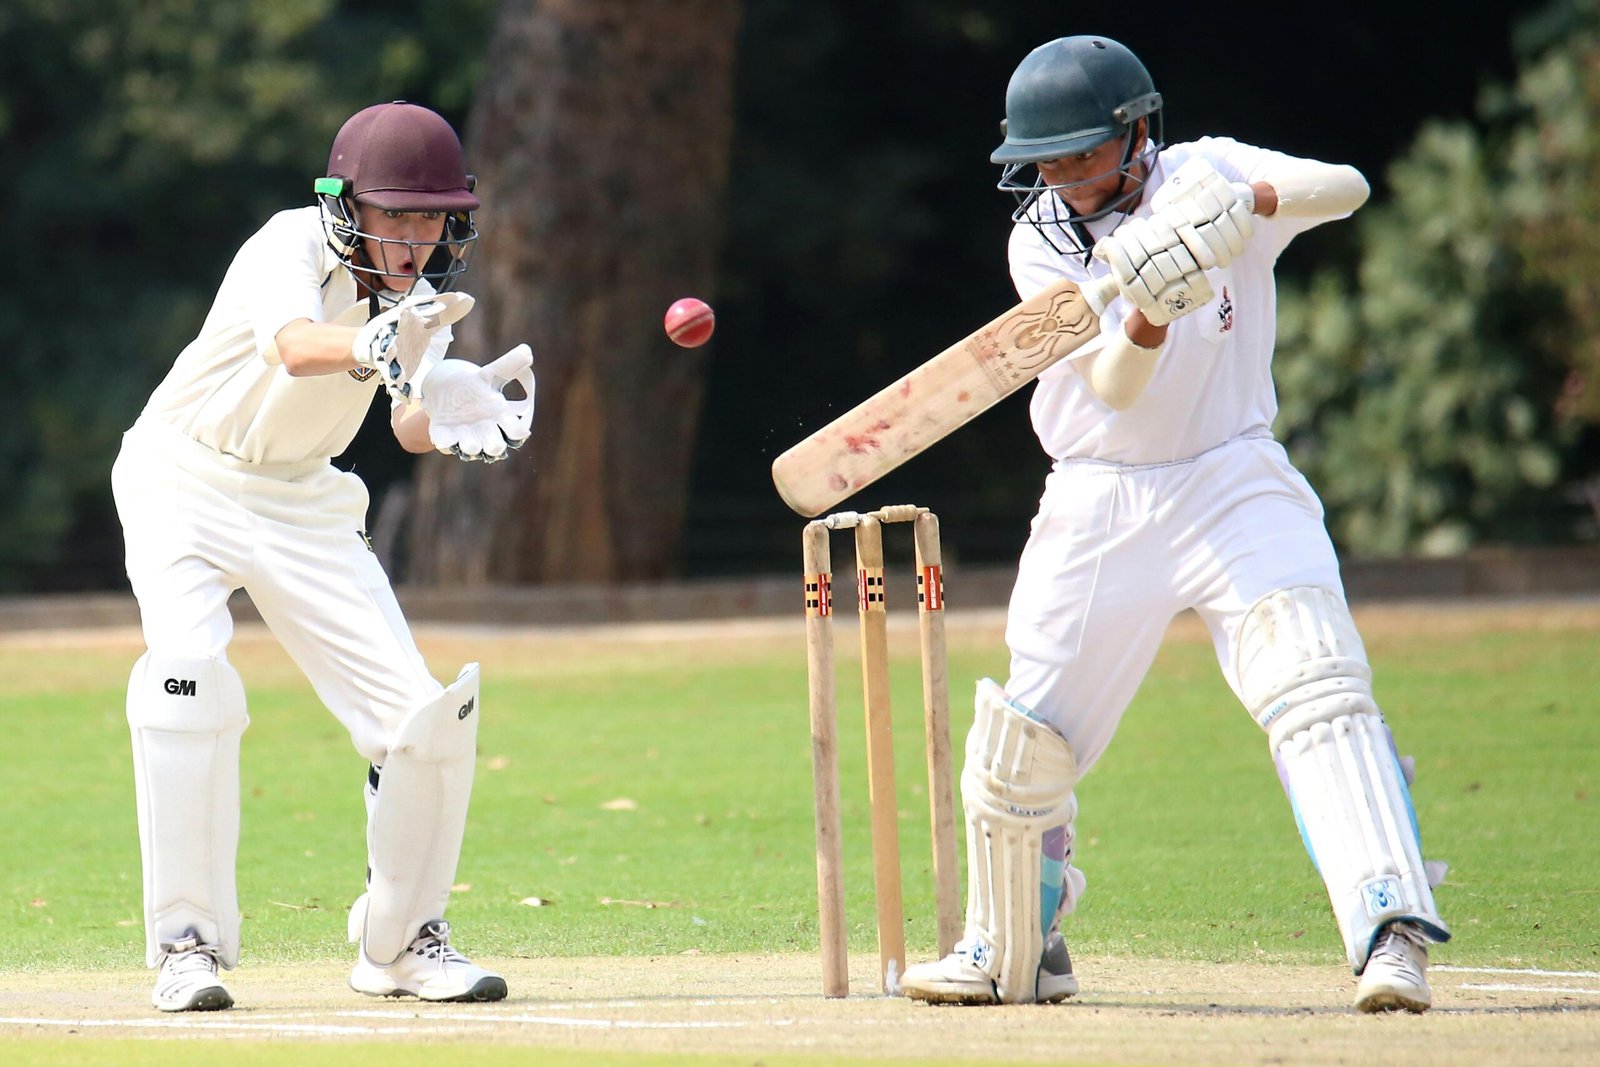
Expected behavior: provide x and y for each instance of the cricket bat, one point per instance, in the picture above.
(935, 399)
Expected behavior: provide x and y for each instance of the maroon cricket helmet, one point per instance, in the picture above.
(402, 157)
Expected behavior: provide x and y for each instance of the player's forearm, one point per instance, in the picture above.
(307, 348)
(410, 425)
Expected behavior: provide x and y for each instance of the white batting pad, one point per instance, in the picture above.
(186, 715)
(1354, 812)
(1303, 674)
(1016, 784)
(417, 820)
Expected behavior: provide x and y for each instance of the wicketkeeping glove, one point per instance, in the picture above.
(468, 414)
(1212, 215)
(396, 342)
(1154, 269)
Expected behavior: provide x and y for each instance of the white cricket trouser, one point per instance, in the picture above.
(199, 525)
(1115, 552)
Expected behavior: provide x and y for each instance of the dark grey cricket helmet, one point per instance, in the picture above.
(1067, 97)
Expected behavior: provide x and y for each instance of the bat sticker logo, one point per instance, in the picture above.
(1036, 333)
(1011, 352)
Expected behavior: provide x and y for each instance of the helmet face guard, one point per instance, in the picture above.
(441, 262)
(1041, 204)
(1065, 98)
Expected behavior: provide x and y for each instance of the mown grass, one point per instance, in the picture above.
(657, 793)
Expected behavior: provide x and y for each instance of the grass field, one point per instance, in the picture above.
(652, 786)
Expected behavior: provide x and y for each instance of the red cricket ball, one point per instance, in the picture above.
(689, 322)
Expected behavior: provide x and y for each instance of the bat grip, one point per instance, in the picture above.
(1099, 292)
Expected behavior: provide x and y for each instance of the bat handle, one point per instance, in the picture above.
(1099, 292)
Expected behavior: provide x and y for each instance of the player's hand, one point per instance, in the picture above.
(1212, 215)
(469, 415)
(396, 342)
(1154, 269)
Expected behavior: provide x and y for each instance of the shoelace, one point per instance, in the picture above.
(1394, 949)
(193, 961)
(434, 944)
(187, 958)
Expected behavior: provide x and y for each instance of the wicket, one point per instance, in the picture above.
(873, 614)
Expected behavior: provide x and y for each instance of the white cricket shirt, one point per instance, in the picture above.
(1213, 381)
(229, 391)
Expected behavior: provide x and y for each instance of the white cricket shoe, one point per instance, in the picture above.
(954, 979)
(187, 979)
(428, 969)
(1396, 976)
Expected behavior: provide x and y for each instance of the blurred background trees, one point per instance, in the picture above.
(1445, 395)
(1438, 355)
(600, 134)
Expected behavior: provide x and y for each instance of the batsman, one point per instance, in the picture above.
(1168, 492)
(226, 481)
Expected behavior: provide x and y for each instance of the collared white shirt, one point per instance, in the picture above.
(229, 390)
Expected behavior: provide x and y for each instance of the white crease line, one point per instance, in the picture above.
(420, 1023)
(1530, 971)
(196, 1024)
(547, 1020)
(486, 1011)
(1527, 989)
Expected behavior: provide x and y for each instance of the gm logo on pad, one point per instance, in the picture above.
(466, 709)
(179, 687)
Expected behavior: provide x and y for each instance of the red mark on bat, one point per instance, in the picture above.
(837, 482)
(905, 388)
(963, 396)
(868, 441)
(859, 443)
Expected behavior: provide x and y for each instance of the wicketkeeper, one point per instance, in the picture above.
(225, 482)
(1168, 492)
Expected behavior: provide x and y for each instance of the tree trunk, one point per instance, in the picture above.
(600, 138)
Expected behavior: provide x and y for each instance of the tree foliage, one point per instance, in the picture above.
(142, 140)
(1431, 399)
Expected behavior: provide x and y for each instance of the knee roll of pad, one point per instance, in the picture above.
(186, 716)
(1300, 660)
(1016, 784)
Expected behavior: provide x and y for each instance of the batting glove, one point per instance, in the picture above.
(1212, 215)
(1154, 269)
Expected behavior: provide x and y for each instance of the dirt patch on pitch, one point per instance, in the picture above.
(760, 1006)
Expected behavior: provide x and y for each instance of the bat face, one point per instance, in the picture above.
(953, 387)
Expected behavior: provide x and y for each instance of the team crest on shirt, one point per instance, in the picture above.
(361, 374)
(1225, 312)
